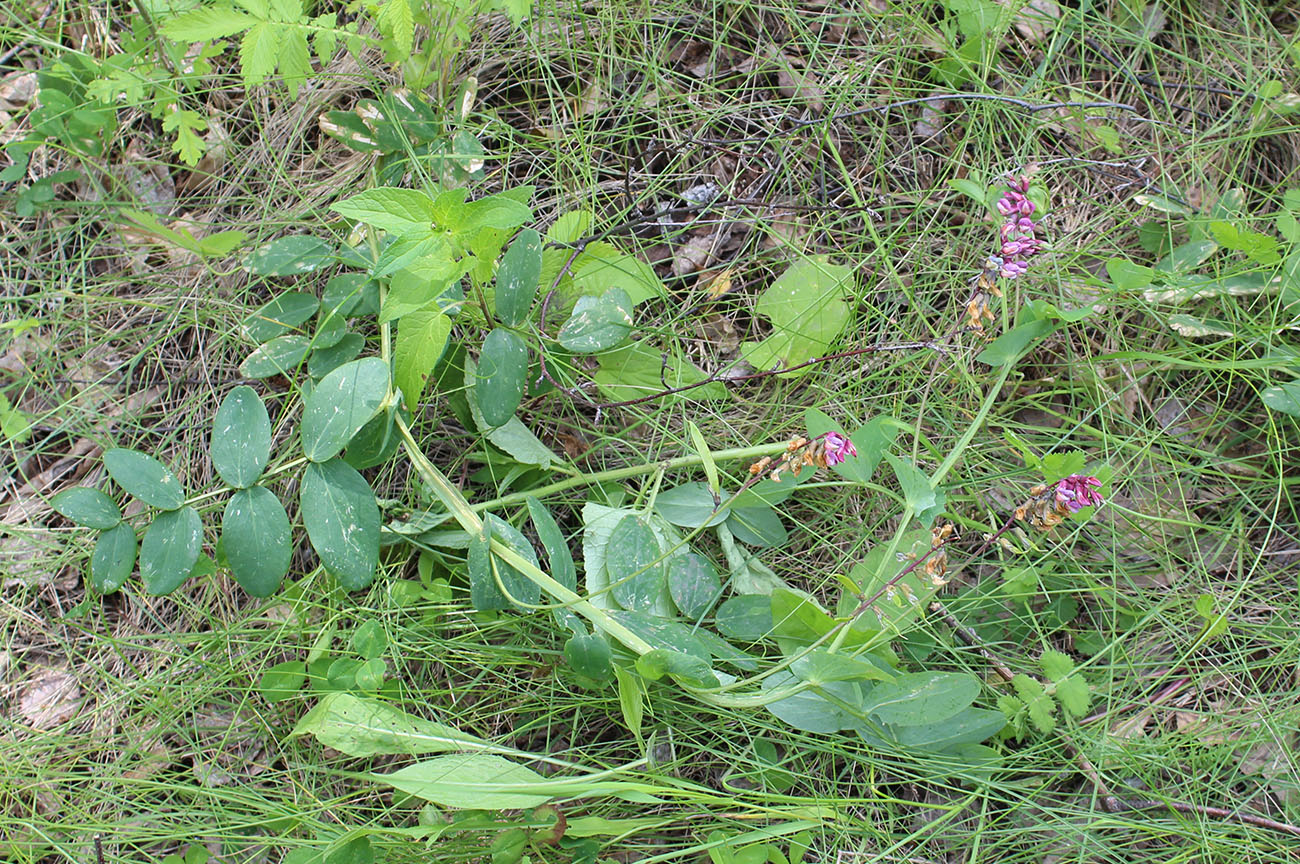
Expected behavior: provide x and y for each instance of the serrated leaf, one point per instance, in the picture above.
(241, 438)
(367, 727)
(1040, 706)
(113, 558)
(294, 60)
(341, 516)
(517, 278)
(294, 255)
(1074, 695)
(340, 405)
(258, 52)
(255, 535)
(279, 356)
(807, 311)
(207, 23)
(87, 507)
(1056, 665)
(421, 340)
(632, 560)
(502, 373)
(598, 323)
(403, 212)
(144, 477)
(169, 550)
(398, 24)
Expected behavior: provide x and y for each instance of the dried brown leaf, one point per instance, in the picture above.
(50, 698)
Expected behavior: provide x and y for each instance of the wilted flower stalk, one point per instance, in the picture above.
(1048, 506)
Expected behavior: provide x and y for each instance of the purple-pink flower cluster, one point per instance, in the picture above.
(1019, 242)
(1077, 491)
(837, 448)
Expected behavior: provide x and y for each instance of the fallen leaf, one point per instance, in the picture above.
(50, 698)
(1035, 19)
(18, 89)
(715, 284)
(693, 255)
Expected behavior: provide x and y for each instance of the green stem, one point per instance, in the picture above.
(737, 453)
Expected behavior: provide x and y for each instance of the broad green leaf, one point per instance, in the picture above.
(282, 681)
(241, 438)
(968, 726)
(486, 569)
(690, 505)
(255, 535)
(809, 711)
(1189, 287)
(342, 521)
(632, 560)
(323, 361)
(521, 444)
(1007, 348)
(278, 317)
(797, 616)
(517, 278)
(144, 477)
(398, 211)
(206, 24)
(290, 256)
(747, 618)
(377, 441)
(631, 700)
(922, 697)
(663, 632)
(638, 370)
(1128, 276)
(1163, 204)
(421, 339)
(598, 323)
(904, 601)
(87, 507)
(280, 356)
(686, 668)
(340, 405)
(493, 211)
(558, 556)
(758, 526)
(807, 310)
(502, 372)
(1187, 257)
(598, 523)
(693, 583)
(348, 293)
(926, 501)
(470, 781)
(820, 667)
(169, 550)
(601, 266)
(724, 651)
(113, 559)
(589, 655)
(367, 727)
(369, 640)
(1283, 397)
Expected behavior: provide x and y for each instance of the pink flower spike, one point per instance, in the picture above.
(838, 448)
(1078, 491)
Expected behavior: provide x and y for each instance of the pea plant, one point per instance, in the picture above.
(460, 291)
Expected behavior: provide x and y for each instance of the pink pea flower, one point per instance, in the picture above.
(837, 448)
(1077, 491)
